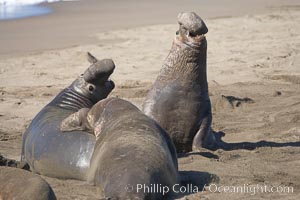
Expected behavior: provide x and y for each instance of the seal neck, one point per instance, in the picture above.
(187, 64)
(71, 100)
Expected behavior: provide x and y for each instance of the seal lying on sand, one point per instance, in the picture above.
(45, 148)
(132, 152)
(21, 184)
(179, 99)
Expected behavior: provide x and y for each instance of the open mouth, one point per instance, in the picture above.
(191, 36)
(109, 84)
(195, 37)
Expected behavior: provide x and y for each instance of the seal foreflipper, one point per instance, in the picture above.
(76, 121)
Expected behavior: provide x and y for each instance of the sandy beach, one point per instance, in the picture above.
(74, 23)
(253, 53)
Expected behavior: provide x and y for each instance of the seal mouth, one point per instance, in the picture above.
(109, 85)
(190, 37)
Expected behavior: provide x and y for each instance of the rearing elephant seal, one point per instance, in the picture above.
(134, 158)
(45, 148)
(179, 99)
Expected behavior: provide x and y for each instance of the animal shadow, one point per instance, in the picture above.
(8, 162)
(193, 182)
(226, 146)
(13, 163)
(204, 154)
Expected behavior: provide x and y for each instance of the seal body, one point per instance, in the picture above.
(51, 153)
(179, 99)
(132, 152)
(21, 184)
(45, 148)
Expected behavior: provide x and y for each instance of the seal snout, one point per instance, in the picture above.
(191, 26)
(99, 71)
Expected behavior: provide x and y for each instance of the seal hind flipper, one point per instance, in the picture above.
(204, 136)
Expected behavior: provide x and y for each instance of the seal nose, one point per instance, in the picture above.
(191, 22)
(99, 72)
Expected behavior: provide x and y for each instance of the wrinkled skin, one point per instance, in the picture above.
(45, 148)
(179, 99)
(21, 184)
(131, 149)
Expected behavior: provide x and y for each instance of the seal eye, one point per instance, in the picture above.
(91, 88)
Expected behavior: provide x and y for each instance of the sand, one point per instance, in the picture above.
(74, 23)
(254, 84)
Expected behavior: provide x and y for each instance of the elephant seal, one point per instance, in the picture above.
(45, 148)
(132, 153)
(179, 99)
(21, 184)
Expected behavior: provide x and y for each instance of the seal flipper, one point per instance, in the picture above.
(204, 138)
(76, 121)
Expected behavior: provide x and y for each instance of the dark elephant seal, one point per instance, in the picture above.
(45, 148)
(179, 99)
(21, 184)
(132, 151)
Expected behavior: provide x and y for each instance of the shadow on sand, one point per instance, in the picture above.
(226, 146)
(8, 162)
(193, 182)
(248, 145)
(13, 163)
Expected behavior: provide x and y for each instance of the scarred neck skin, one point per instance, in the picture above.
(186, 62)
(89, 88)
(82, 94)
(70, 99)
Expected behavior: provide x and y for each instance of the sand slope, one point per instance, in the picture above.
(252, 56)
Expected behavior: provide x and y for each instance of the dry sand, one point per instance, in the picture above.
(255, 56)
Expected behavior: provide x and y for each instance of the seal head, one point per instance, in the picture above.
(94, 83)
(192, 29)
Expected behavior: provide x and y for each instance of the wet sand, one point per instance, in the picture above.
(75, 23)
